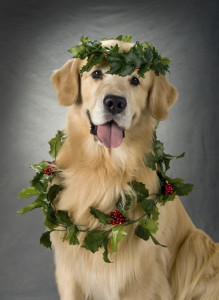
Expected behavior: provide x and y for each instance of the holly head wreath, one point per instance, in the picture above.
(143, 57)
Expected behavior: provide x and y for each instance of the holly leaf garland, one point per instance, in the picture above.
(141, 56)
(160, 161)
(147, 225)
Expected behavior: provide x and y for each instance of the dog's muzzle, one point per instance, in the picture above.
(109, 134)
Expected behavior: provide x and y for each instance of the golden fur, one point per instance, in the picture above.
(94, 175)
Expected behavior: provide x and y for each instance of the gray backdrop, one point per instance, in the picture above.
(34, 38)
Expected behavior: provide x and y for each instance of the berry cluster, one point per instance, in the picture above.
(168, 189)
(118, 218)
(50, 169)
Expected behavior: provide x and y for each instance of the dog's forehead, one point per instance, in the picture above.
(123, 46)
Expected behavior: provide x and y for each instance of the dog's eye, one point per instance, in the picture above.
(97, 74)
(134, 81)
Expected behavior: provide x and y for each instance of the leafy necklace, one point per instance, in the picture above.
(115, 222)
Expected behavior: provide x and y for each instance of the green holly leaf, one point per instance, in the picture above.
(140, 188)
(151, 161)
(158, 149)
(148, 55)
(164, 198)
(50, 221)
(84, 39)
(45, 239)
(167, 158)
(39, 168)
(155, 213)
(35, 182)
(143, 69)
(127, 39)
(167, 163)
(28, 192)
(78, 50)
(44, 180)
(94, 240)
(142, 232)
(56, 143)
(118, 234)
(181, 155)
(119, 37)
(92, 61)
(36, 204)
(54, 190)
(71, 235)
(63, 217)
(105, 39)
(148, 206)
(124, 205)
(182, 189)
(132, 58)
(165, 60)
(150, 224)
(105, 253)
(156, 241)
(102, 218)
(127, 70)
(116, 66)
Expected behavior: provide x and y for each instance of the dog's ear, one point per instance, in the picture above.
(161, 97)
(66, 82)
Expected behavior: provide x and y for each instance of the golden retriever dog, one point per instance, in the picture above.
(97, 167)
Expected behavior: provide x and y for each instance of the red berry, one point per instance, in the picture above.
(150, 63)
(117, 217)
(136, 68)
(50, 169)
(168, 189)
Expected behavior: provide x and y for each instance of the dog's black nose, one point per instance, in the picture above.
(114, 104)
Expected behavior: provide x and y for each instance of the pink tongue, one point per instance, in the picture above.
(110, 134)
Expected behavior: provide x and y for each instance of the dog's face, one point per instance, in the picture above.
(111, 103)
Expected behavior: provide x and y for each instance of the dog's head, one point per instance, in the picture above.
(113, 104)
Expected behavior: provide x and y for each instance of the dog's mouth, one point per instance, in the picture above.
(109, 134)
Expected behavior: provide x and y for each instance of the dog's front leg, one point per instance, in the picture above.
(68, 288)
